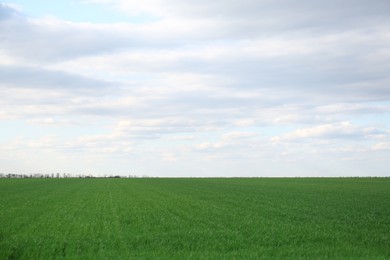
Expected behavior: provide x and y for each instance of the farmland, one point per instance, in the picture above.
(195, 218)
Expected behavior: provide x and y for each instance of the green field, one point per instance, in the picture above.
(194, 218)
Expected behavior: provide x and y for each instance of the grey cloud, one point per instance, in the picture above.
(40, 43)
(7, 12)
(39, 78)
(49, 40)
(333, 78)
(353, 109)
(268, 16)
(53, 40)
(57, 40)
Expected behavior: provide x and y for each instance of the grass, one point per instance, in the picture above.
(194, 218)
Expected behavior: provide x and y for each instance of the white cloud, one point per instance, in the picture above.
(230, 143)
(169, 157)
(343, 130)
(383, 146)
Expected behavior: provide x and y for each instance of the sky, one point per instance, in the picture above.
(169, 88)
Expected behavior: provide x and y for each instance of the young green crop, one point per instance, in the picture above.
(194, 218)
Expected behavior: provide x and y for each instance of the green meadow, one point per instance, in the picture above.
(195, 218)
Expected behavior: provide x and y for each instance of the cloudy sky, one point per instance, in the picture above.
(195, 88)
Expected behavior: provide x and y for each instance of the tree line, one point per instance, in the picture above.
(63, 175)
